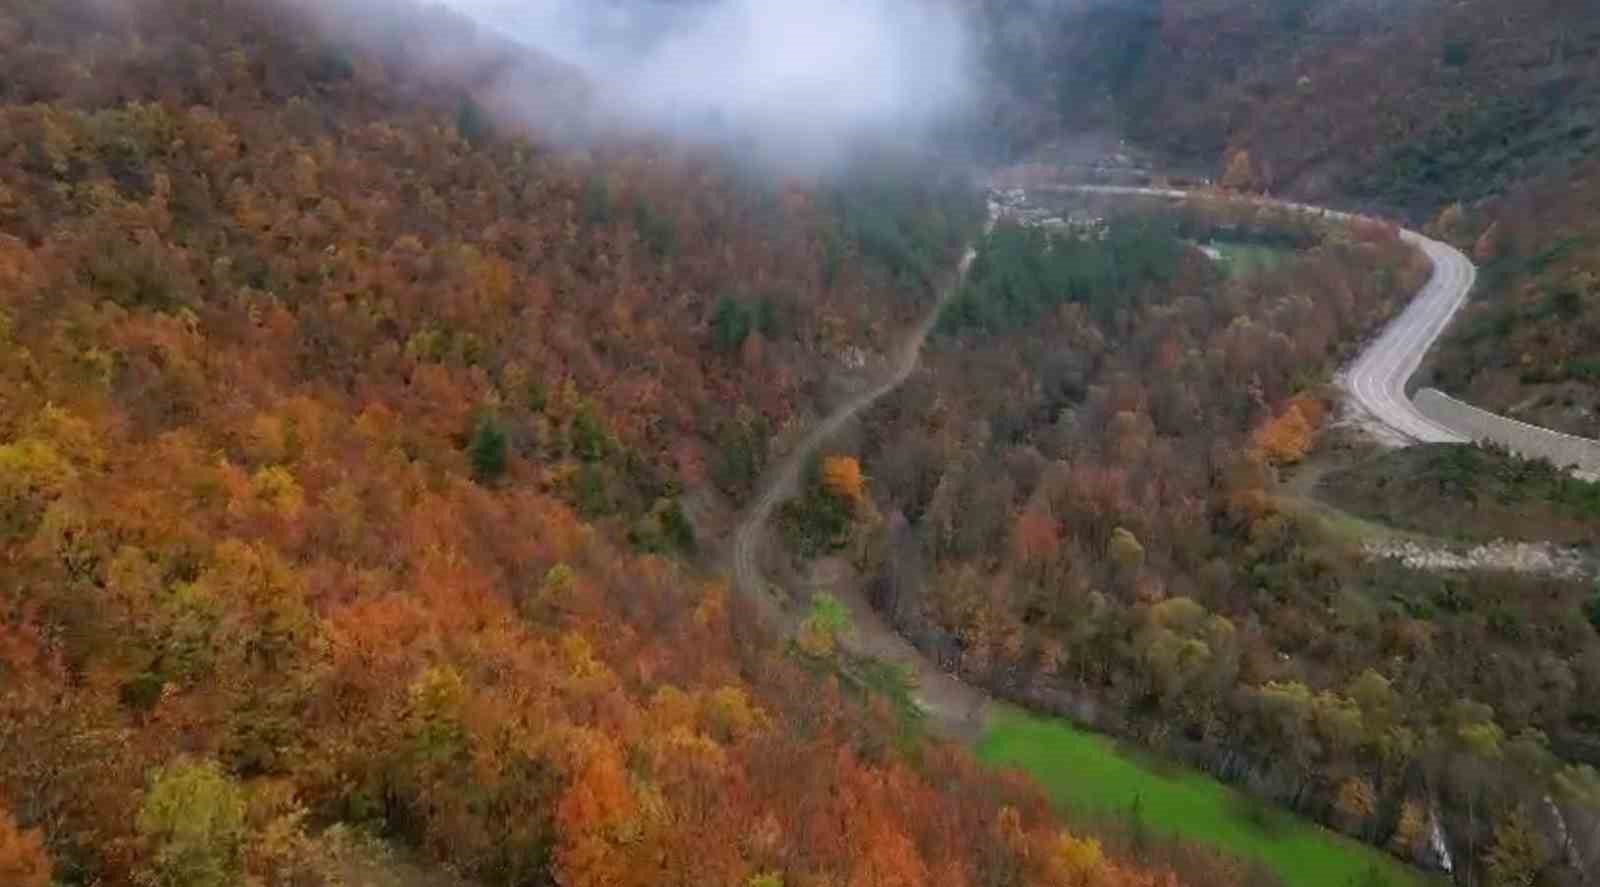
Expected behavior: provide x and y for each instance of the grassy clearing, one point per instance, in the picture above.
(1245, 259)
(1088, 773)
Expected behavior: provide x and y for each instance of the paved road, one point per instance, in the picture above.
(1378, 377)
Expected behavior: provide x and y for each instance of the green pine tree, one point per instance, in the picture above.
(487, 450)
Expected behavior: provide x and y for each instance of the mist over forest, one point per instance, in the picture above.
(764, 443)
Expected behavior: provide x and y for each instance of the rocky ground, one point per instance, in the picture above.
(1532, 558)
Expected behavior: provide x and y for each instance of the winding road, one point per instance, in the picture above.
(1376, 381)
(783, 482)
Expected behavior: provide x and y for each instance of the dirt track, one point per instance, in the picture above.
(952, 706)
(1376, 382)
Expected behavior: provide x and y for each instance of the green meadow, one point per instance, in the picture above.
(1087, 773)
(1245, 259)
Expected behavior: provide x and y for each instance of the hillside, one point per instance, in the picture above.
(1479, 116)
(343, 433)
(1077, 507)
(1470, 494)
(1526, 344)
(371, 432)
(1404, 105)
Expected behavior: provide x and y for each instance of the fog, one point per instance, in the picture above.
(800, 83)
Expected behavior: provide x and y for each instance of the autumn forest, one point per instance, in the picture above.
(370, 456)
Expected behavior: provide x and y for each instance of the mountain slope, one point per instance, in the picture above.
(1525, 345)
(341, 442)
(1405, 105)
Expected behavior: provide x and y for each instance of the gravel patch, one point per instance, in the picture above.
(1531, 558)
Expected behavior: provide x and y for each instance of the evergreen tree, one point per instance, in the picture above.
(487, 450)
(472, 123)
(730, 324)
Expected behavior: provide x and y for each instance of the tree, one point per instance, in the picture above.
(1406, 842)
(193, 816)
(730, 324)
(472, 123)
(1239, 173)
(23, 862)
(1138, 830)
(595, 202)
(1591, 607)
(741, 452)
(1287, 438)
(487, 450)
(1356, 802)
(1125, 550)
(1036, 537)
(589, 439)
(1076, 861)
(841, 477)
(589, 814)
(827, 623)
(1517, 854)
(818, 520)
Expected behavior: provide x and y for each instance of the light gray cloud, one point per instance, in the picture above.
(799, 80)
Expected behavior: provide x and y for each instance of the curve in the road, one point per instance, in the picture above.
(1377, 379)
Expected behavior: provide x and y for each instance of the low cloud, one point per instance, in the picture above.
(800, 82)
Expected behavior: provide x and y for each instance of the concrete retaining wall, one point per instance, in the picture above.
(1528, 441)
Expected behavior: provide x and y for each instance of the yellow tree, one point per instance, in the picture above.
(1076, 862)
(1517, 855)
(1408, 832)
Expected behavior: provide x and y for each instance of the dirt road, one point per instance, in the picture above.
(783, 481)
(950, 704)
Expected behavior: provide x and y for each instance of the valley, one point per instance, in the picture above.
(736, 442)
(957, 710)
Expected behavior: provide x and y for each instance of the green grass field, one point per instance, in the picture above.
(1245, 259)
(1088, 773)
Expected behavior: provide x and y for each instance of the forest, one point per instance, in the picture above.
(1085, 514)
(1406, 107)
(1478, 118)
(343, 438)
(1526, 348)
(365, 453)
